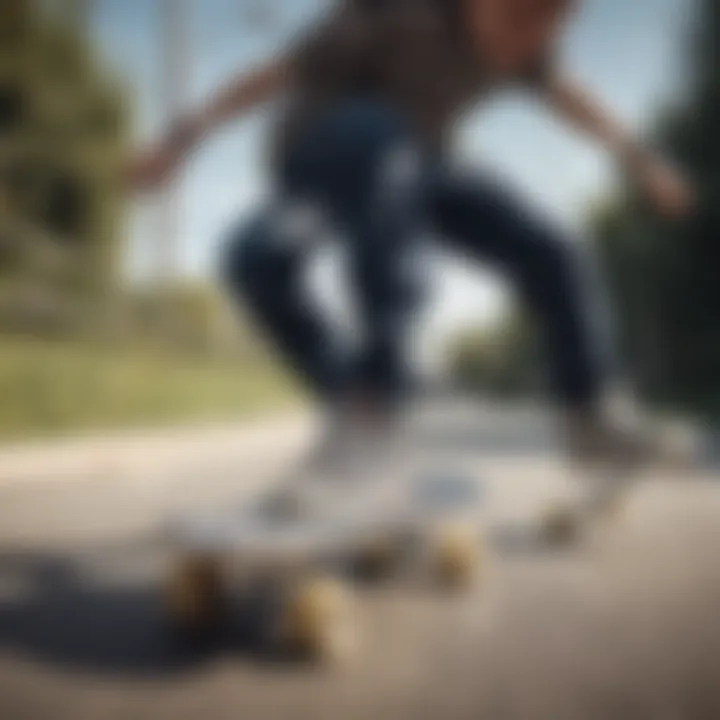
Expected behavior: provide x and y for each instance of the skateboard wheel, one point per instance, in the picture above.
(377, 559)
(317, 622)
(561, 525)
(457, 557)
(194, 597)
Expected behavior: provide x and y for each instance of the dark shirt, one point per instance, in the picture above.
(414, 55)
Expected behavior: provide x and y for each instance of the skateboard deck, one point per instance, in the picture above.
(301, 547)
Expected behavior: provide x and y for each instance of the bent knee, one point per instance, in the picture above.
(251, 259)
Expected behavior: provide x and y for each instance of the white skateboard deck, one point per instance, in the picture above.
(311, 521)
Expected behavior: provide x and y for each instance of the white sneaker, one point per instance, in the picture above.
(599, 439)
(352, 444)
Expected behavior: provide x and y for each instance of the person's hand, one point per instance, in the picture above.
(666, 189)
(153, 168)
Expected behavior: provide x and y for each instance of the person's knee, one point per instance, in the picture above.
(250, 261)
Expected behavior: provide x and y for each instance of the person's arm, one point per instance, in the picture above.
(660, 182)
(236, 98)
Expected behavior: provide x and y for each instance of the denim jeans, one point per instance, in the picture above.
(360, 170)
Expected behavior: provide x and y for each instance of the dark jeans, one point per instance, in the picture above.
(360, 169)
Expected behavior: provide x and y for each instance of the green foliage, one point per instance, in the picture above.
(499, 361)
(664, 276)
(63, 133)
(109, 354)
(63, 387)
(193, 318)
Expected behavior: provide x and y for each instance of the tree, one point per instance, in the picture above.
(62, 140)
(665, 276)
(503, 360)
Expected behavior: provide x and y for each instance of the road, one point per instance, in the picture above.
(625, 625)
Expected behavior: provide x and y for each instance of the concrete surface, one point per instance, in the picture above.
(626, 625)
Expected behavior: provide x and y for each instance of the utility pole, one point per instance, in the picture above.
(175, 69)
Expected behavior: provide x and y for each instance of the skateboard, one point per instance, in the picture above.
(288, 562)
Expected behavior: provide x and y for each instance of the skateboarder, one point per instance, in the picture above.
(370, 97)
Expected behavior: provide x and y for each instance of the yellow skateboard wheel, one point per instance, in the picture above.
(193, 594)
(377, 559)
(457, 556)
(317, 620)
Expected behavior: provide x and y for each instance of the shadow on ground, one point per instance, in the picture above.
(94, 612)
(53, 610)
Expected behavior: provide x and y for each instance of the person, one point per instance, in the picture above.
(370, 97)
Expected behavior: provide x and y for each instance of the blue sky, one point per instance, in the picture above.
(628, 51)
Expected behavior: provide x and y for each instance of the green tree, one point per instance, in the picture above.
(501, 361)
(665, 276)
(63, 136)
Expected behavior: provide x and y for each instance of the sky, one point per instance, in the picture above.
(628, 51)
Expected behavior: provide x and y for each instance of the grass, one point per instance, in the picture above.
(65, 388)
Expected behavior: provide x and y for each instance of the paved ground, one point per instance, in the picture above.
(624, 626)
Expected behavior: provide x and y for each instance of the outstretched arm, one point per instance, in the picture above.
(660, 182)
(240, 95)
